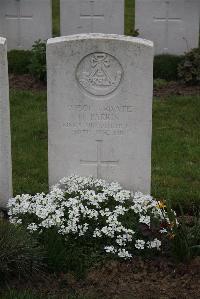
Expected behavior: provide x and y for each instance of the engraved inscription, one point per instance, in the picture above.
(99, 162)
(99, 74)
(103, 119)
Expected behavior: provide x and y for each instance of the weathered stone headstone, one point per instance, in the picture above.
(100, 108)
(5, 142)
(25, 21)
(173, 25)
(89, 16)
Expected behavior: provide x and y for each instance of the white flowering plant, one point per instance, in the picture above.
(116, 221)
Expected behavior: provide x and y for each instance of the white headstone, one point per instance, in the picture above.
(173, 25)
(25, 21)
(100, 108)
(89, 16)
(5, 142)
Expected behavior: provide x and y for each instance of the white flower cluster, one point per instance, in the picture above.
(80, 206)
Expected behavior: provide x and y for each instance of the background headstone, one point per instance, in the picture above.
(100, 108)
(5, 140)
(89, 16)
(173, 25)
(23, 22)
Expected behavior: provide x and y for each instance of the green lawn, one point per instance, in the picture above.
(175, 150)
(129, 16)
(175, 145)
(175, 157)
(56, 17)
(29, 141)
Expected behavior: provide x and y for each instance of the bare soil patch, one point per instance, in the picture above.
(27, 82)
(176, 88)
(155, 278)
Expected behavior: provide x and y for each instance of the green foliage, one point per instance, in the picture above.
(18, 61)
(70, 254)
(29, 62)
(96, 222)
(166, 67)
(189, 68)
(37, 66)
(159, 83)
(185, 238)
(12, 294)
(20, 254)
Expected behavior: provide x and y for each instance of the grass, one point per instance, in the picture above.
(175, 148)
(129, 16)
(56, 17)
(176, 151)
(29, 141)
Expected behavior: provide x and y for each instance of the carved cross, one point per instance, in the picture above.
(167, 20)
(99, 162)
(19, 17)
(91, 15)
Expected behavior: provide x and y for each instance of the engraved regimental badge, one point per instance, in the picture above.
(99, 74)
